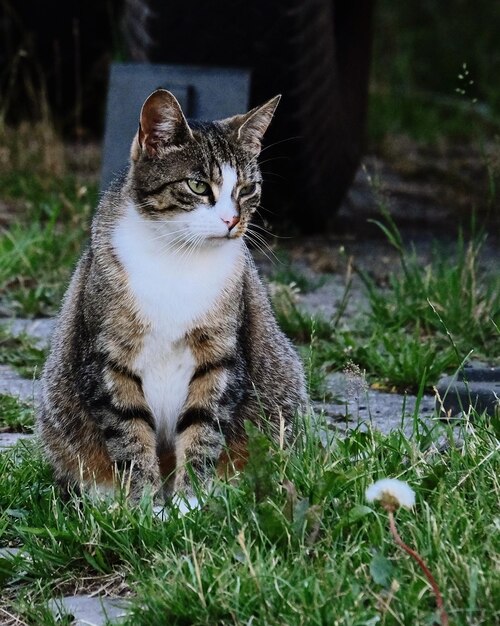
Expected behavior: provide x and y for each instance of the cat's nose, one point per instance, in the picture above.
(231, 223)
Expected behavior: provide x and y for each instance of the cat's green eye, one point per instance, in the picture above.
(198, 186)
(248, 190)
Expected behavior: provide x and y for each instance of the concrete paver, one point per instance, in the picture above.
(89, 610)
(12, 384)
(7, 440)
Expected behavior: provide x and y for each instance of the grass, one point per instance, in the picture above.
(292, 542)
(432, 76)
(21, 352)
(287, 273)
(428, 320)
(426, 117)
(449, 294)
(15, 416)
(40, 249)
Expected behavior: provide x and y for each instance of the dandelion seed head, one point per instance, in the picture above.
(392, 493)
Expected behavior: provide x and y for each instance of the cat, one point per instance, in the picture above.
(166, 342)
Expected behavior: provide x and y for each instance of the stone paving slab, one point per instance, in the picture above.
(355, 404)
(477, 386)
(89, 610)
(40, 329)
(7, 440)
(9, 553)
(12, 384)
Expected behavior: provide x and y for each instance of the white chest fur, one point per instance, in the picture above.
(172, 292)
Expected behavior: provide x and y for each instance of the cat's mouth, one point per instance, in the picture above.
(229, 236)
(222, 238)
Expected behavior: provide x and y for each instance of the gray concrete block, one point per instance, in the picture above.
(7, 440)
(88, 610)
(355, 405)
(10, 553)
(40, 329)
(476, 386)
(205, 93)
(12, 384)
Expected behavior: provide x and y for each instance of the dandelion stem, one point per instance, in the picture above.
(423, 566)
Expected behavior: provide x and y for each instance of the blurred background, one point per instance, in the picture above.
(410, 91)
(390, 114)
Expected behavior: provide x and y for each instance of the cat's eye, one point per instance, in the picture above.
(248, 190)
(198, 186)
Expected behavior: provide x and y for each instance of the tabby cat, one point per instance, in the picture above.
(166, 342)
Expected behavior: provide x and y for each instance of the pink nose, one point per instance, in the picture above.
(231, 223)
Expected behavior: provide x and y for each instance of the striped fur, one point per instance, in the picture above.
(166, 342)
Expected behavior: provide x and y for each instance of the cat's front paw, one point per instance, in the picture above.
(160, 513)
(186, 504)
(182, 504)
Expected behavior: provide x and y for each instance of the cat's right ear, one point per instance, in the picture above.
(162, 125)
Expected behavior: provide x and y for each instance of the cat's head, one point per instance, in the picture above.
(199, 181)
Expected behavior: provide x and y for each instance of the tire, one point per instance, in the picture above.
(315, 52)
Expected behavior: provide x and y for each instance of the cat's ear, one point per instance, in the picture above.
(162, 124)
(249, 128)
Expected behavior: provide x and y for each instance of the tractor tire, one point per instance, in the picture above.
(315, 52)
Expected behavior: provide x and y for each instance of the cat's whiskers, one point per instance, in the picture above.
(261, 244)
(270, 160)
(261, 206)
(268, 232)
(266, 174)
(259, 237)
(147, 204)
(265, 230)
(194, 242)
(256, 245)
(253, 160)
(177, 244)
(172, 237)
(167, 234)
(182, 250)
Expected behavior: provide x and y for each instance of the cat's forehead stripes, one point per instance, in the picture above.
(224, 190)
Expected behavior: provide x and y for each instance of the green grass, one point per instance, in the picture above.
(428, 320)
(420, 86)
(15, 416)
(287, 273)
(291, 542)
(39, 250)
(427, 117)
(21, 352)
(449, 295)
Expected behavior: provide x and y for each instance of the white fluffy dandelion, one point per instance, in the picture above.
(391, 492)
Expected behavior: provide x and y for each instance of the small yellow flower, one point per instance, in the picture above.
(392, 494)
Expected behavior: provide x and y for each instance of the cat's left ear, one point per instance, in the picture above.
(162, 124)
(250, 127)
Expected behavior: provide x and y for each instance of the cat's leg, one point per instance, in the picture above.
(128, 428)
(199, 444)
(131, 444)
(206, 424)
